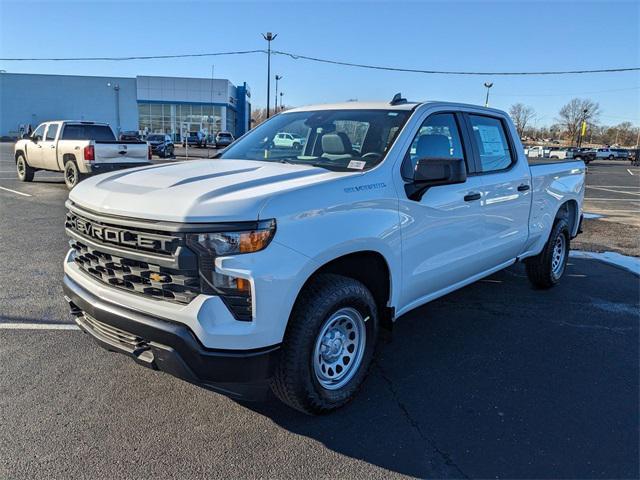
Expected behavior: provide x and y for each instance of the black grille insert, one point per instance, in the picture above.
(180, 286)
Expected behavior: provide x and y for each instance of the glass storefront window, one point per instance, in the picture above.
(171, 118)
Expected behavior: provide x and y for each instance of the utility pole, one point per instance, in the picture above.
(269, 37)
(278, 77)
(281, 94)
(488, 85)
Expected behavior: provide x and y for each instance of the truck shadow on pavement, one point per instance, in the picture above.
(499, 379)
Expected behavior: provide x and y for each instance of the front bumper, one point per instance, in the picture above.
(97, 168)
(171, 347)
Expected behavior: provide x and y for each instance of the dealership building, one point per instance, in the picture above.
(171, 105)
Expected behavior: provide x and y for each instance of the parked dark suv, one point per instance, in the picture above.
(161, 145)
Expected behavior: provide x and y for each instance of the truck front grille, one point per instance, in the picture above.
(180, 286)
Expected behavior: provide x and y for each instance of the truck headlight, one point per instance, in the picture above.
(234, 291)
(219, 244)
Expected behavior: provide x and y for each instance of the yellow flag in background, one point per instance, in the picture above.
(584, 128)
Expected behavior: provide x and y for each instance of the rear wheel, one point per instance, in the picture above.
(25, 172)
(72, 175)
(328, 345)
(545, 269)
(611, 157)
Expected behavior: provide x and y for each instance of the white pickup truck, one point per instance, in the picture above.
(273, 266)
(78, 149)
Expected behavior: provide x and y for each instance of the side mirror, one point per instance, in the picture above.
(433, 171)
(440, 171)
(34, 138)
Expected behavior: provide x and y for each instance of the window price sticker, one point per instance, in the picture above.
(356, 164)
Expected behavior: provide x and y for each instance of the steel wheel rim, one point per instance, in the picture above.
(339, 348)
(557, 257)
(21, 168)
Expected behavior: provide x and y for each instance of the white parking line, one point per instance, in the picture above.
(630, 172)
(612, 199)
(15, 191)
(614, 191)
(38, 326)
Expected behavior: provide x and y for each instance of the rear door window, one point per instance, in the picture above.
(52, 131)
(490, 138)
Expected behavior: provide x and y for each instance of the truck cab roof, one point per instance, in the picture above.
(407, 106)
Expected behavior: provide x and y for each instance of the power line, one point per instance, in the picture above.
(120, 59)
(562, 94)
(453, 72)
(327, 61)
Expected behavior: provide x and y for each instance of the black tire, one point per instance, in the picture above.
(611, 157)
(72, 175)
(296, 382)
(541, 269)
(24, 171)
(296, 145)
(170, 153)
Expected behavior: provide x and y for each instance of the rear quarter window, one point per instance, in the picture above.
(88, 132)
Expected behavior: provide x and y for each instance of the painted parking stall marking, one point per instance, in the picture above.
(38, 326)
(16, 192)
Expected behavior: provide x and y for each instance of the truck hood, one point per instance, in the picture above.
(195, 191)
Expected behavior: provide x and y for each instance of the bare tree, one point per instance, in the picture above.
(573, 113)
(258, 116)
(521, 115)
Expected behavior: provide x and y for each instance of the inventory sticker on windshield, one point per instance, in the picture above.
(356, 164)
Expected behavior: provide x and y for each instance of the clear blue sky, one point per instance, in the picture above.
(429, 35)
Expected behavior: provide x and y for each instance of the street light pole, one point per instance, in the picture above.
(269, 37)
(281, 94)
(116, 88)
(275, 110)
(486, 100)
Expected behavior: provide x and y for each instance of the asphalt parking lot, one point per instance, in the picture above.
(495, 380)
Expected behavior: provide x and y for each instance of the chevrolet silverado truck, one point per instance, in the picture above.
(78, 149)
(272, 266)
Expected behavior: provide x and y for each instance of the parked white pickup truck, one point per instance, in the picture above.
(278, 267)
(77, 149)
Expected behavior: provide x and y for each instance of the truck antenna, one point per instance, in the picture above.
(397, 99)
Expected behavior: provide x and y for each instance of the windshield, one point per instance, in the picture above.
(155, 138)
(341, 140)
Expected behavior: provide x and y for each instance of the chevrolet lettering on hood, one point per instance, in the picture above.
(118, 236)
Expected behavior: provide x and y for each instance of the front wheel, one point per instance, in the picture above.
(545, 269)
(328, 345)
(25, 172)
(611, 157)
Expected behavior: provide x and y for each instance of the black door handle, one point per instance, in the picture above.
(471, 197)
(523, 188)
